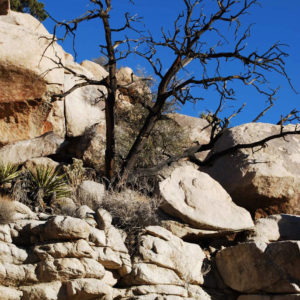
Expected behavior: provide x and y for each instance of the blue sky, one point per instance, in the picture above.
(274, 20)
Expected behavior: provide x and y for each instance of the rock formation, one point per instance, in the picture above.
(265, 180)
(203, 245)
(59, 257)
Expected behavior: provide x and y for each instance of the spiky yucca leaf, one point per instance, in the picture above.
(49, 181)
(8, 172)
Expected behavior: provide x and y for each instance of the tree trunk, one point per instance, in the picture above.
(110, 103)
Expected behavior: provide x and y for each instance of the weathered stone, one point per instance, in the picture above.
(21, 151)
(103, 218)
(114, 240)
(84, 212)
(8, 293)
(110, 278)
(156, 297)
(110, 259)
(165, 292)
(46, 162)
(24, 75)
(25, 21)
(23, 211)
(197, 129)
(64, 205)
(16, 275)
(132, 88)
(146, 273)
(159, 246)
(98, 71)
(270, 297)
(69, 268)
(201, 202)
(97, 237)
(44, 291)
(88, 288)
(11, 254)
(256, 267)
(197, 293)
(276, 228)
(61, 227)
(25, 232)
(156, 289)
(24, 29)
(185, 232)
(91, 192)
(84, 106)
(127, 265)
(265, 180)
(76, 249)
(56, 118)
(5, 233)
(93, 145)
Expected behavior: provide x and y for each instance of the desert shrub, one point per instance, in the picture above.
(132, 212)
(7, 210)
(46, 184)
(75, 172)
(34, 7)
(166, 139)
(8, 173)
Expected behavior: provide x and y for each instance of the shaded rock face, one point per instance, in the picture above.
(270, 297)
(273, 268)
(276, 228)
(19, 152)
(265, 180)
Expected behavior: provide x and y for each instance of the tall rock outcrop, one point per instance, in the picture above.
(28, 76)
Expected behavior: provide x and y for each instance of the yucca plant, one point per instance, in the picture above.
(47, 183)
(8, 172)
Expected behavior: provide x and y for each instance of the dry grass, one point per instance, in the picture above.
(7, 210)
(132, 212)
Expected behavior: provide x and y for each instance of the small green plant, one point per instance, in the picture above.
(47, 184)
(34, 7)
(8, 172)
(75, 172)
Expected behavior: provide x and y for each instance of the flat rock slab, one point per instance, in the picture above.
(61, 228)
(21, 151)
(200, 201)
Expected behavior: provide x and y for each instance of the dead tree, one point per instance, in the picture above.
(102, 11)
(188, 43)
